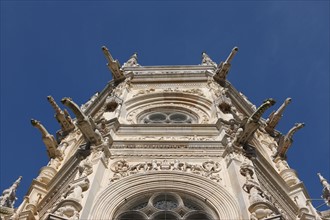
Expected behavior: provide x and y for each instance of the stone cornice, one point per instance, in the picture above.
(96, 104)
(239, 100)
(171, 68)
(143, 129)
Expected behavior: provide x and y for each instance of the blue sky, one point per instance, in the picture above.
(54, 48)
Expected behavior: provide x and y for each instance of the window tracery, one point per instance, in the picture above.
(168, 117)
(164, 205)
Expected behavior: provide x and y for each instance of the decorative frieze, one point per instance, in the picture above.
(198, 92)
(209, 169)
(166, 146)
(173, 138)
(144, 86)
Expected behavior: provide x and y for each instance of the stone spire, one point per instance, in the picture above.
(8, 197)
(326, 189)
(62, 117)
(113, 65)
(286, 141)
(276, 116)
(47, 138)
(84, 123)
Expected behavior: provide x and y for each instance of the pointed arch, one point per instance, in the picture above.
(119, 193)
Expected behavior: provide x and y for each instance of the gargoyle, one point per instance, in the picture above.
(84, 123)
(48, 140)
(62, 117)
(276, 116)
(224, 67)
(286, 141)
(251, 124)
(113, 65)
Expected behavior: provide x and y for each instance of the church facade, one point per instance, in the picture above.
(166, 142)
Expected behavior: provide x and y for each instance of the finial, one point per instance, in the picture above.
(321, 178)
(326, 189)
(48, 139)
(132, 61)
(113, 65)
(207, 61)
(8, 197)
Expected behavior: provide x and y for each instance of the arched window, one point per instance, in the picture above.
(167, 117)
(164, 205)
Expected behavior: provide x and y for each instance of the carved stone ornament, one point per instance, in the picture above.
(209, 169)
(301, 205)
(326, 189)
(62, 117)
(89, 102)
(224, 67)
(68, 209)
(48, 140)
(206, 60)
(8, 197)
(251, 124)
(110, 109)
(198, 92)
(172, 138)
(113, 65)
(123, 86)
(286, 141)
(132, 116)
(69, 206)
(288, 175)
(85, 168)
(132, 61)
(260, 206)
(85, 124)
(215, 87)
(275, 117)
(32, 205)
(46, 174)
(224, 103)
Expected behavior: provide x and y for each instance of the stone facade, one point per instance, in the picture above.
(166, 142)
